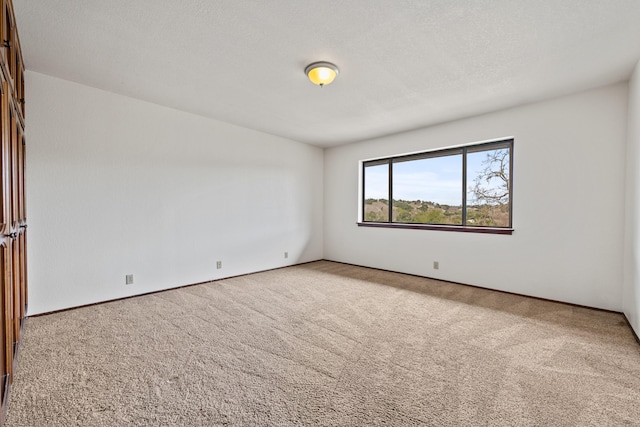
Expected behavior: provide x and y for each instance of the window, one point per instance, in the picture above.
(462, 189)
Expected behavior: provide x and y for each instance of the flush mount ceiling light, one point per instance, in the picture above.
(321, 73)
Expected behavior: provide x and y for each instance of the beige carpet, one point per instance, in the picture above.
(327, 344)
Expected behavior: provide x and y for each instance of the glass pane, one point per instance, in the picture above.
(488, 184)
(428, 191)
(376, 193)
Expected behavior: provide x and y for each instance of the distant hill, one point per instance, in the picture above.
(421, 212)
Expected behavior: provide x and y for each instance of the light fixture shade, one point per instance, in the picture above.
(321, 73)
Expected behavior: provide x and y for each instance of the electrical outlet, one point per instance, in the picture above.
(436, 265)
(286, 254)
(128, 279)
(219, 265)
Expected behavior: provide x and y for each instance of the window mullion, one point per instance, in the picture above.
(364, 185)
(390, 191)
(510, 148)
(464, 186)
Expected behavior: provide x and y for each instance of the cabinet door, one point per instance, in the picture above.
(13, 168)
(21, 152)
(16, 294)
(13, 233)
(6, 325)
(20, 83)
(8, 39)
(22, 272)
(13, 205)
(5, 144)
(22, 221)
(7, 26)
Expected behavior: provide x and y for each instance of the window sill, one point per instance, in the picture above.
(458, 228)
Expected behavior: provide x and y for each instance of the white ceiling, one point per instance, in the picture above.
(403, 64)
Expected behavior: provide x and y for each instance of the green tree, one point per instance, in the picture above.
(482, 215)
(374, 216)
(401, 204)
(433, 216)
(403, 216)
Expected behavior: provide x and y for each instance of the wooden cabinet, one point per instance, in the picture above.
(6, 305)
(13, 213)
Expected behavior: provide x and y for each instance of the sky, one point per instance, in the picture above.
(436, 179)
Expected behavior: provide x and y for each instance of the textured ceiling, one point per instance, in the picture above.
(404, 63)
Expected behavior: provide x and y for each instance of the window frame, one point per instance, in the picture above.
(463, 150)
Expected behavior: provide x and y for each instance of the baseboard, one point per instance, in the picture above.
(501, 291)
(354, 265)
(167, 289)
(478, 287)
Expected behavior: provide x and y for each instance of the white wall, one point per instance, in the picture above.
(631, 287)
(568, 203)
(118, 186)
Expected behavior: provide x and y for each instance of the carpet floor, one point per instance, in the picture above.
(327, 344)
